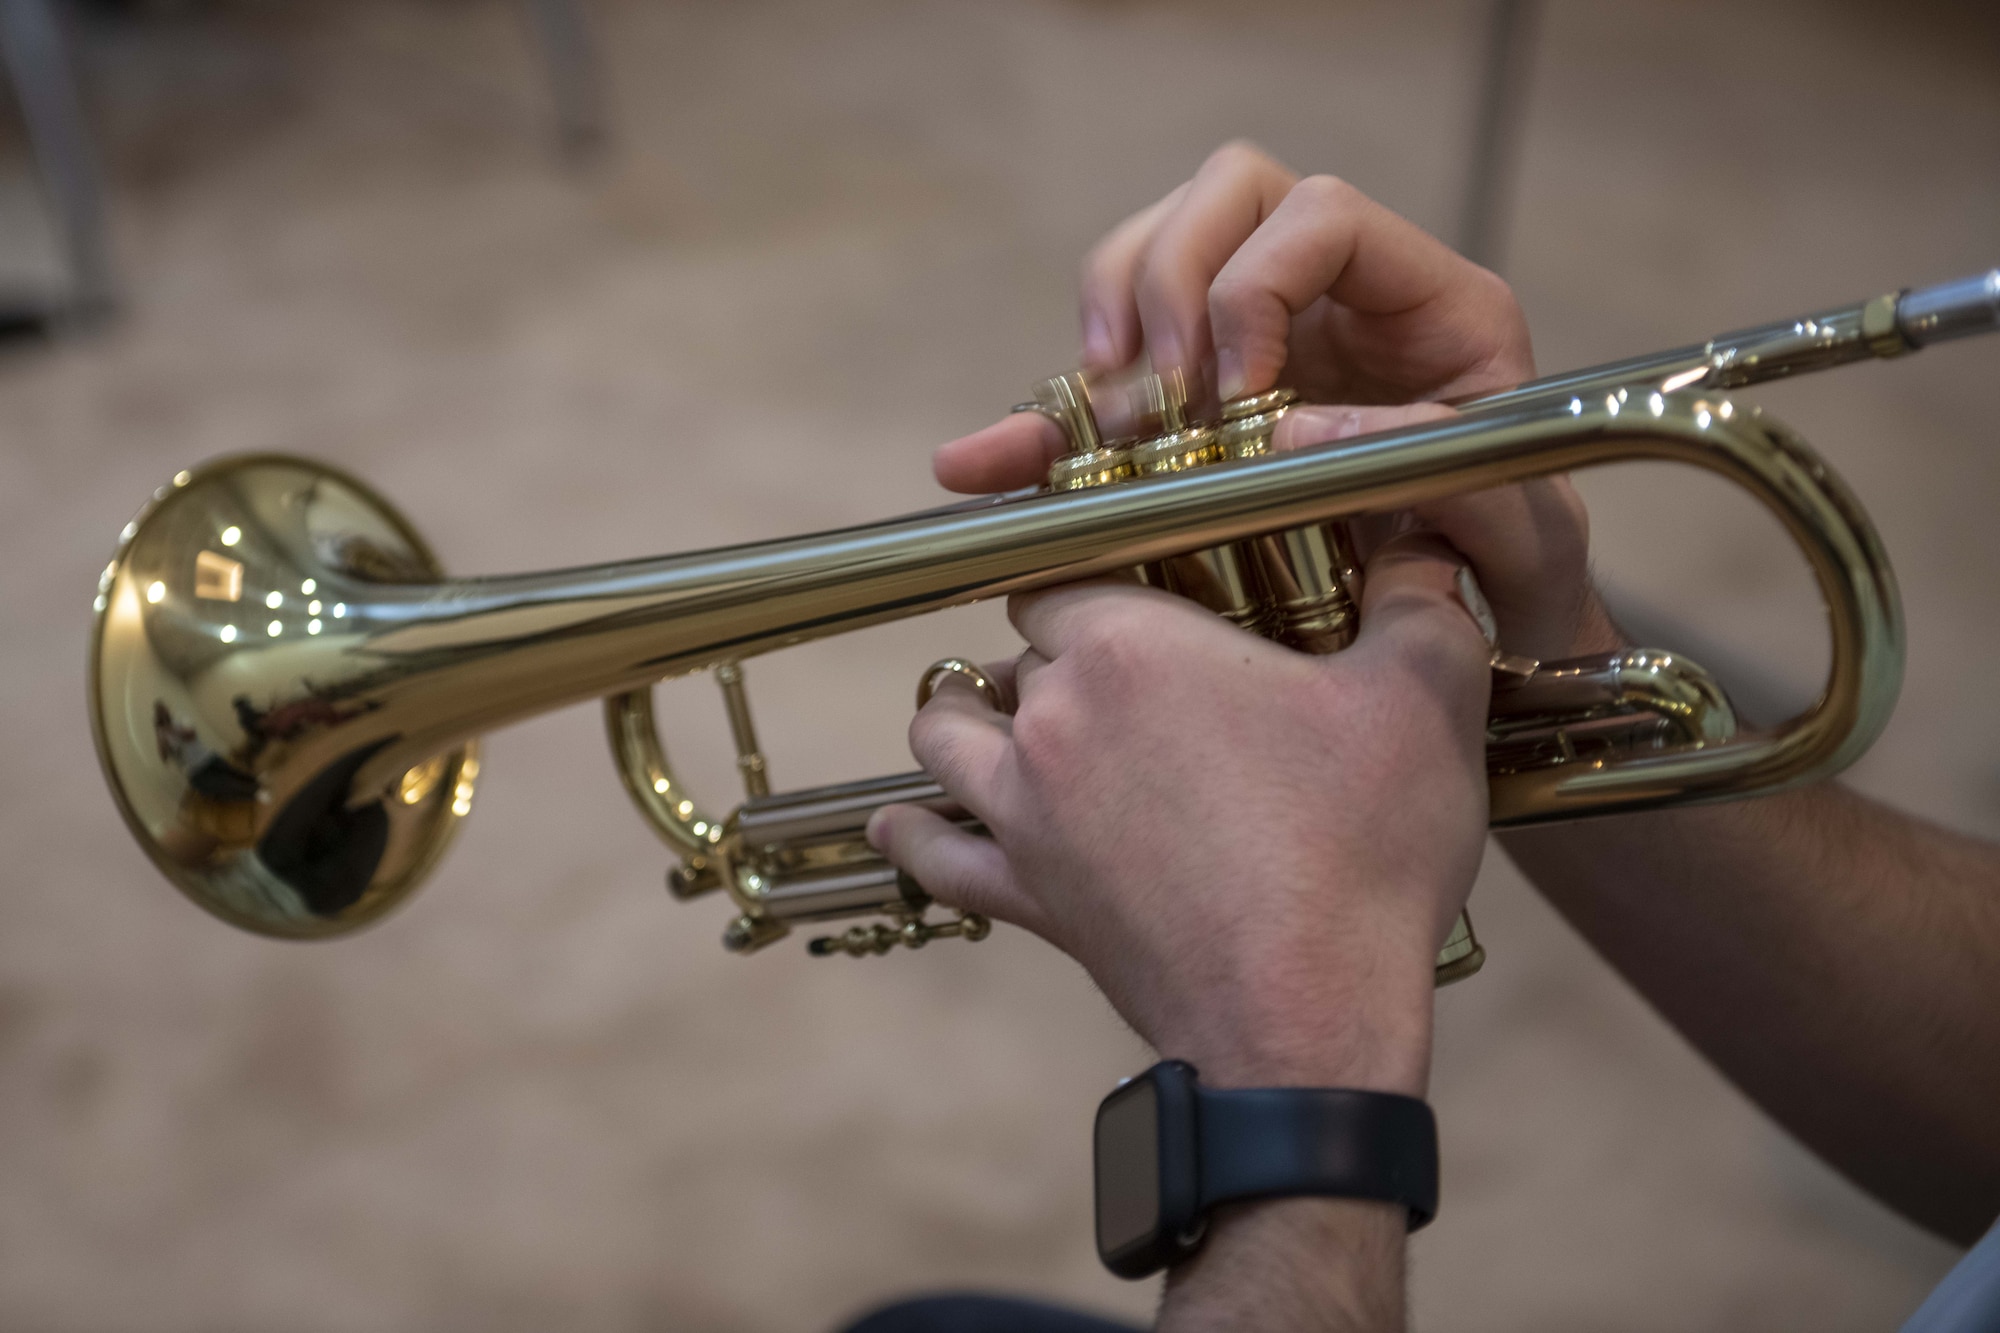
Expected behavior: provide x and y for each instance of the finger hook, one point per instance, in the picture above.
(957, 666)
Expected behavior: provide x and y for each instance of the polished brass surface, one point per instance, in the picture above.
(1602, 709)
(689, 830)
(956, 666)
(1226, 579)
(230, 664)
(286, 691)
(736, 703)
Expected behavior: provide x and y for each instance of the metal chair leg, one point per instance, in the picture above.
(574, 76)
(38, 61)
(1496, 134)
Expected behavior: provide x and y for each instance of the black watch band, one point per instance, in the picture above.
(1260, 1143)
(1168, 1150)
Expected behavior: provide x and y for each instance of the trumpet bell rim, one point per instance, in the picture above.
(231, 596)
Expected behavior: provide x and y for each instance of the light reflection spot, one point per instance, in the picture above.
(229, 634)
(312, 607)
(1702, 418)
(1576, 407)
(231, 535)
(312, 627)
(685, 808)
(308, 586)
(700, 828)
(182, 477)
(274, 599)
(1657, 404)
(217, 577)
(156, 592)
(661, 785)
(339, 610)
(277, 627)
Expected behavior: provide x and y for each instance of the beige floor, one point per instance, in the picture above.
(830, 236)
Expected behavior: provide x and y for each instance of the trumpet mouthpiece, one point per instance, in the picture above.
(1947, 310)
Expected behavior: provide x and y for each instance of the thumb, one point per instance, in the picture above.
(1415, 611)
(1014, 451)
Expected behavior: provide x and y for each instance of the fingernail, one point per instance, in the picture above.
(1098, 352)
(1166, 351)
(1473, 599)
(1314, 424)
(1229, 381)
(873, 833)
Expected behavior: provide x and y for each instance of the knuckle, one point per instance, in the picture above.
(1491, 286)
(1235, 291)
(951, 876)
(1112, 650)
(1492, 298)
(1436, 651)
(1329, 194)
(956, 884)
(1239, 155)
(1146, 277)
(1044, 733)
(1045, 743)
(1018, 608)
(1099, 268)
(1243, 161)
(1243, 307)
(939, 748)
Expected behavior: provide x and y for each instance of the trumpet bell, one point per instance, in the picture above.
(227, 628)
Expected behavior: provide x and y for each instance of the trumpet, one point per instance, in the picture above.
(287, 692)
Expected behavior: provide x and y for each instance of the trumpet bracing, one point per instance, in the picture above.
(287, 692)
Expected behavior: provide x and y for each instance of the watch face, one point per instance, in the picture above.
(1128, 1167)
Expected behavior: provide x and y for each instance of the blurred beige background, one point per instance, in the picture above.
(828, 236)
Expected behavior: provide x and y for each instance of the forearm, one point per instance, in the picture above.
(1838, 960)
(1300, 1265)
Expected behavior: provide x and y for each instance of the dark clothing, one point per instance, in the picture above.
(980, 1314)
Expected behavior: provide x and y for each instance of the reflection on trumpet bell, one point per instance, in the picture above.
(218, 686)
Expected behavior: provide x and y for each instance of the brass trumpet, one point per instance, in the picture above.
(286, 691)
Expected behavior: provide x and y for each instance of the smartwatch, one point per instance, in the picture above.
(1167, 1150)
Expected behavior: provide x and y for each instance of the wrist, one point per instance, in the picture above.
(1375, 1060)
(1371, 1031)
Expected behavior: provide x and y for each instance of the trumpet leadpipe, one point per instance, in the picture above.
(1887, 326)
